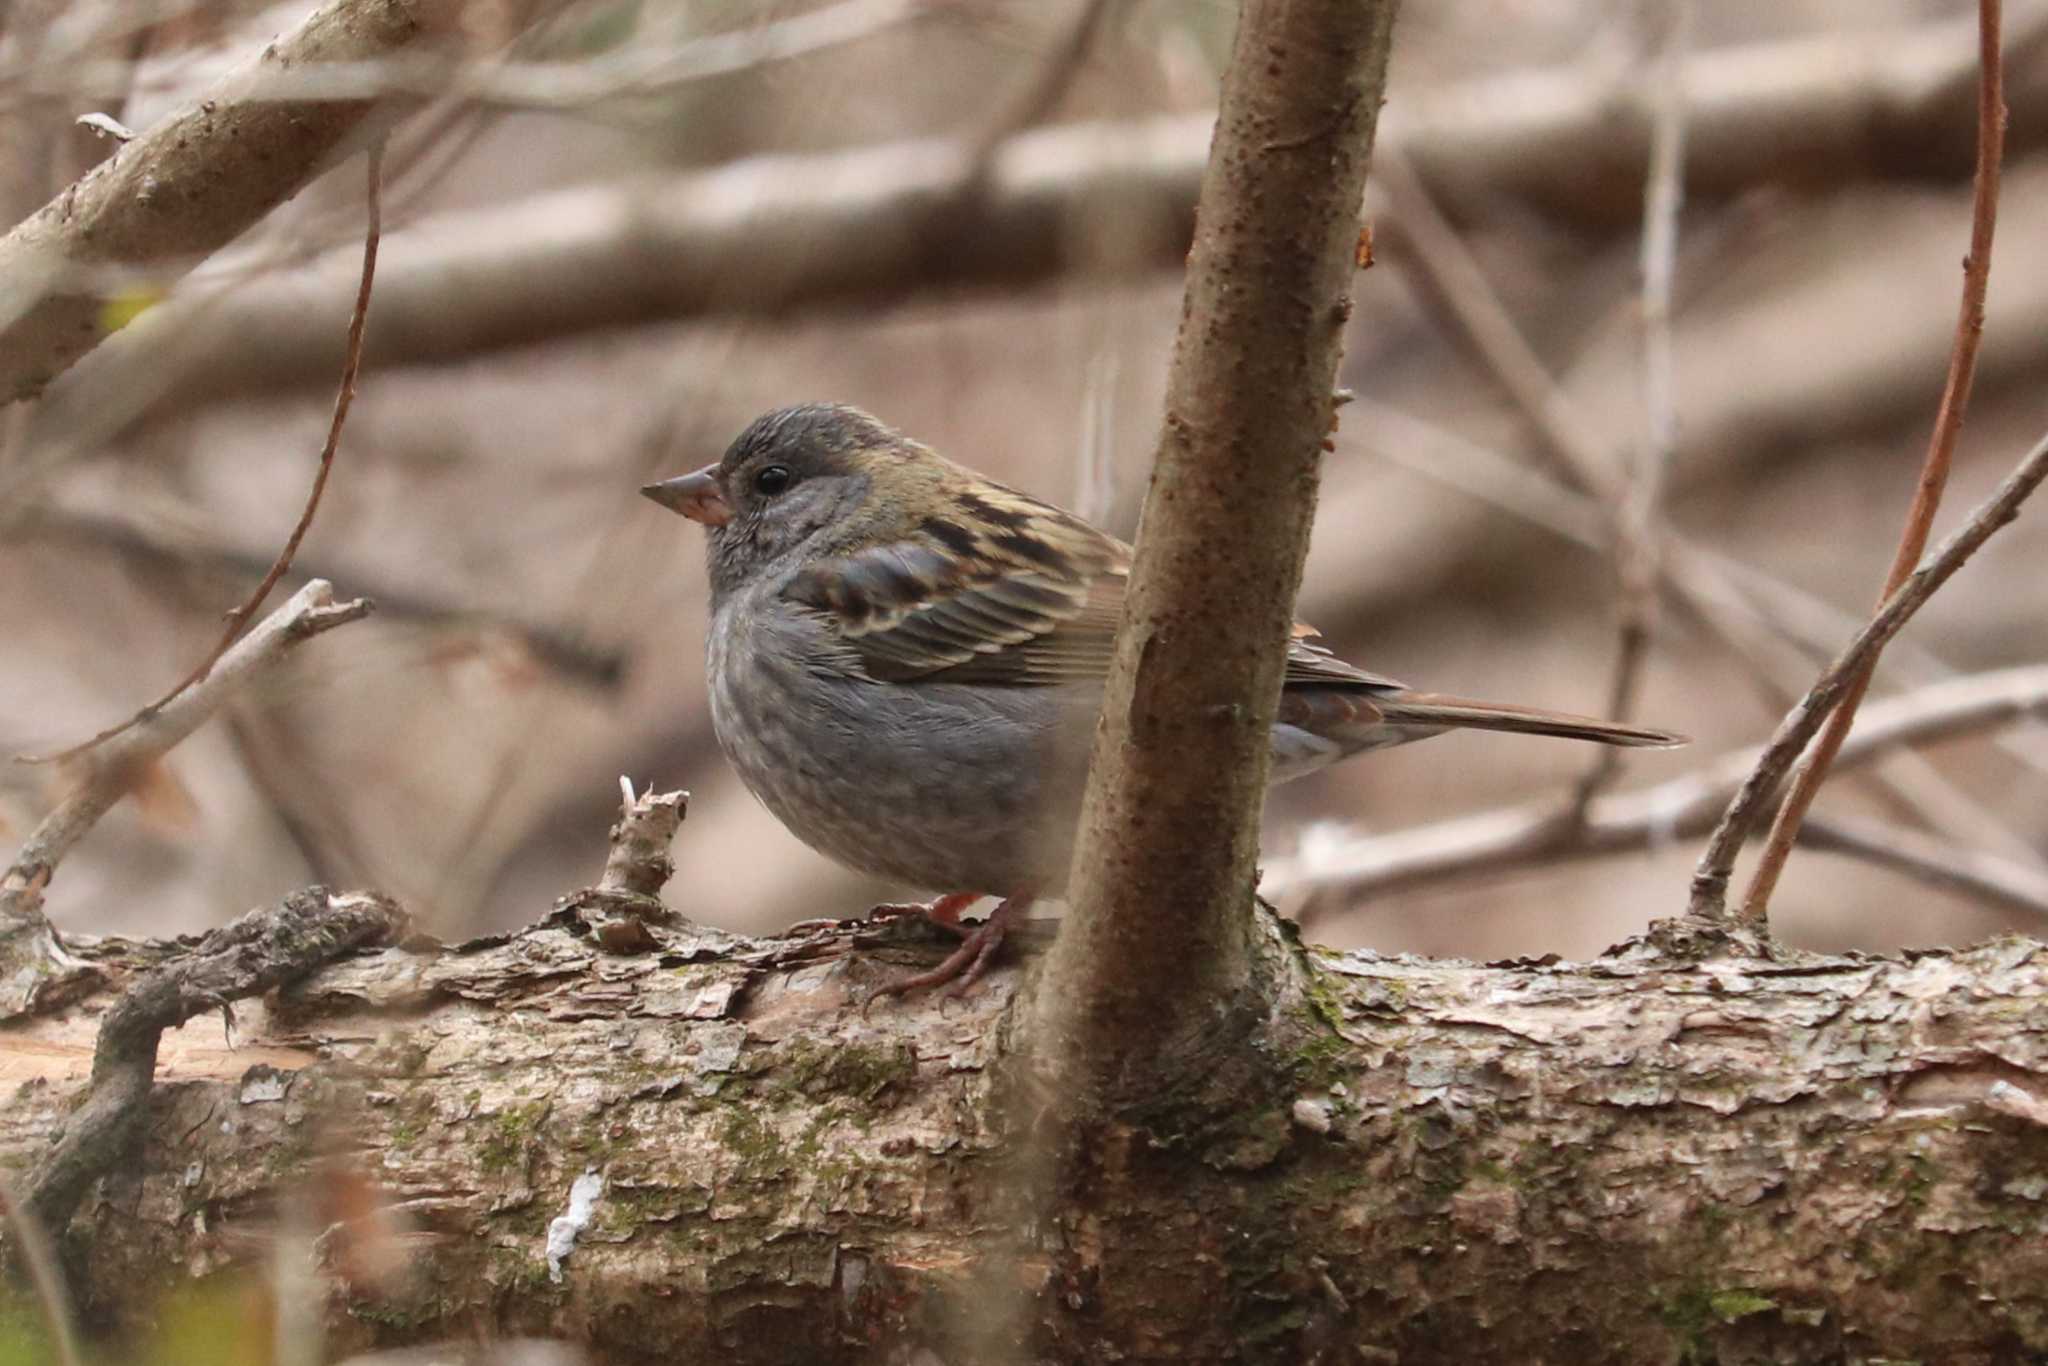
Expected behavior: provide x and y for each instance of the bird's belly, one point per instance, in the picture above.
(940, 786)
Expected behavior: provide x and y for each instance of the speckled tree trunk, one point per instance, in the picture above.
(1651, 1157)
(1161, 1027)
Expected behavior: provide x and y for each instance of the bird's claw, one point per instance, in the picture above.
(943, 911)
(967, 964)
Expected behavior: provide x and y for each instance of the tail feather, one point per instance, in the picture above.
(1434, 709)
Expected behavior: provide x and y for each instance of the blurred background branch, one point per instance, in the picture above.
(617, 230)
(170, 197)
(870, 226)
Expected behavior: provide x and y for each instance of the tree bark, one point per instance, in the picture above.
(1651, 1156)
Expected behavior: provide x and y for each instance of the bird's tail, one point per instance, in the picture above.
(1435, 711)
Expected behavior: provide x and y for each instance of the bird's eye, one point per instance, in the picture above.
(772, 479)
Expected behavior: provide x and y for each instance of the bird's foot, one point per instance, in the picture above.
(943, 912)
(967, 964)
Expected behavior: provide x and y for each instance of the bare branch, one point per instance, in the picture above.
(351, 365)
(1452, 278)
(165, 555)
(1710, 877)
(635, 71)
(1948, 427)
(1789, 629)
(1640, 513)
(1568, 442)
(1684, 807)
(113, 765)
(187, 187)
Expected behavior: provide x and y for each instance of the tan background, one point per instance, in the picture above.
(443, 757)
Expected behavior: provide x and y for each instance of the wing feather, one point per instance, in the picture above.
(1012, 591)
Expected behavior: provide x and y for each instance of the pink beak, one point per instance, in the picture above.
(696, 495)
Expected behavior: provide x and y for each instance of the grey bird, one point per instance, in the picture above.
(906, 660)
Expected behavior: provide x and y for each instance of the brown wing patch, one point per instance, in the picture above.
(998, 588)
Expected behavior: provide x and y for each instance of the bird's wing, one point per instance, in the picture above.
(1011, 591)
(1014, 592)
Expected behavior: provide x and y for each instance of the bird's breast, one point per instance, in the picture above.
(944, 786)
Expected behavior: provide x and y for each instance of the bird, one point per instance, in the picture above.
(906, 659)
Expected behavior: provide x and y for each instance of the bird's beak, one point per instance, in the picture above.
(696, 495)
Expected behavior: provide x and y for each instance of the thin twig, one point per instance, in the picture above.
(1637, 549)
(1049, 84)
(351, 366)
(309, 612)
(165, 557)
(1536, 833)
(1774, 628)
(1948, 426)
(1816, 625)
(1717, 863)
(1453, 279)
(1451, 276)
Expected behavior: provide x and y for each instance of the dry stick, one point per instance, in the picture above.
(351, 365)
(628, 893)
(1710, 877)
(1814, 625)
(1449, 275)
(168, 556)
(1948, 426)
(1534, 833)
(306, 614)
(1637, 549)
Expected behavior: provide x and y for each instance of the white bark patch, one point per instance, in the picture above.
(562, 1233)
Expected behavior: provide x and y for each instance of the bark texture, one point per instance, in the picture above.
(1655, 1156)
